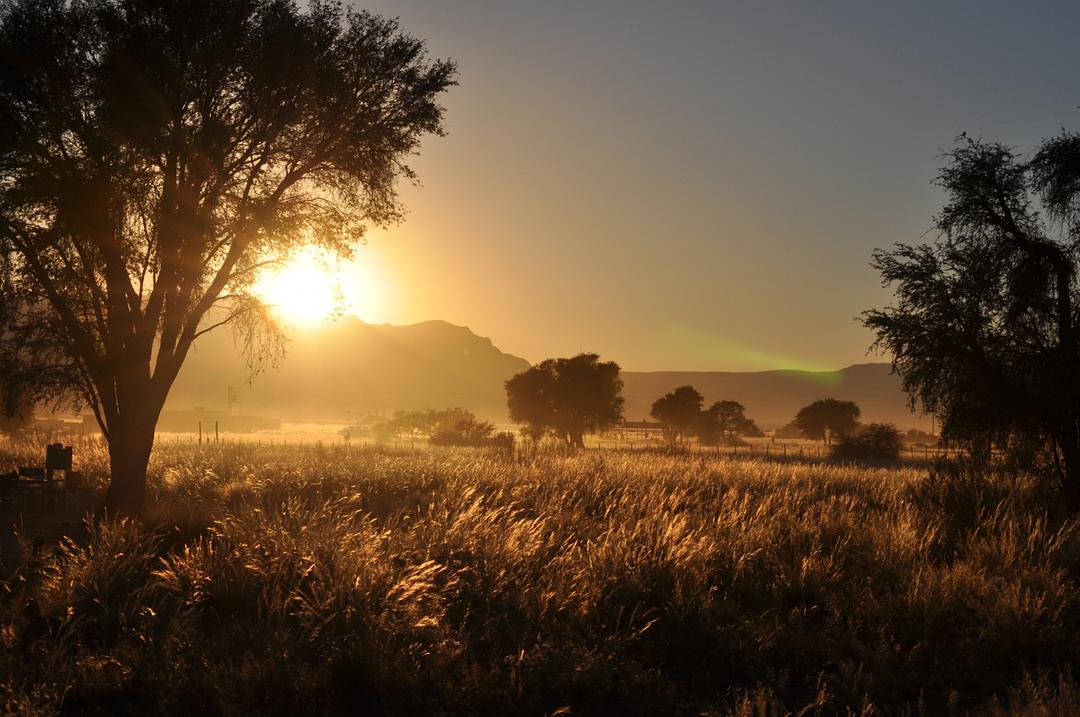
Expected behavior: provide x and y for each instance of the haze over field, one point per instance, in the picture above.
(348, 368)
(733, 238)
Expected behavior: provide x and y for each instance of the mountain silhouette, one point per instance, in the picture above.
(349, 368)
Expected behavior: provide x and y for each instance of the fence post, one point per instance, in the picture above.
(200, 433)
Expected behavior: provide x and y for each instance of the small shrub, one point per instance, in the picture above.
(467, 431)
(873, 442)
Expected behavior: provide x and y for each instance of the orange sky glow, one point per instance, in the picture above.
(710, 204)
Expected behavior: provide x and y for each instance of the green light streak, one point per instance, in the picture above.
(727, 354)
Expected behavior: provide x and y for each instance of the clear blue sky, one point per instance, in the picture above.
(699, 185)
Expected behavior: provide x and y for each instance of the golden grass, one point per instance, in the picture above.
(322, 580)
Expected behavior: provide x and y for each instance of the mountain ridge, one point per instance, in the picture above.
(350, 367)
(772, 397)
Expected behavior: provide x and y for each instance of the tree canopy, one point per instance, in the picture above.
(827, 418)
(446, 427)
(466, 430)
(872, 442)
(155, 154)
(983, 328)
(726, 421)
(679, 411)
(567, 397)
(681, 414)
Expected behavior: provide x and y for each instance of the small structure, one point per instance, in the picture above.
(58, 457)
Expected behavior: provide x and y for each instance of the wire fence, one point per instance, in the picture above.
(765, 448)
(803, 450)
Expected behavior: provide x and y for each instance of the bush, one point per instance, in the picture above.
(466, 431)
(788, 430)
(873, 442)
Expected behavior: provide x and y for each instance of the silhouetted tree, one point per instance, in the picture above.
(154, 154)
(708, 430)
(464, 430)
(408, 425)
(826, 418)
(983, 331)
(725, 421)
(568, 397)
(872, 442)
(679, 412)
(428, 424)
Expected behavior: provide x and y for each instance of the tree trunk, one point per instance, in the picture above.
(1067, 384)
(130, 444)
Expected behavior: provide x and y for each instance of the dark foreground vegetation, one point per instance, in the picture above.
(315, 581)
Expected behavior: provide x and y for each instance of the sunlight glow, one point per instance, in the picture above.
(311, 287)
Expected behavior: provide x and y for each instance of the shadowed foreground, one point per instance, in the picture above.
(311, 580)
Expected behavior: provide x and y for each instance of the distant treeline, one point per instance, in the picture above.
(566, 398)
(446, 427)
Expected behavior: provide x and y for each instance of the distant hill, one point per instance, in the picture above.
(350, 367)
(772, 397)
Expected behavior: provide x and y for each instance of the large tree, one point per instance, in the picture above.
(679, 411)
(827, 418)
(155, 153)
(567, 397)
(983, 329)
(726, 420)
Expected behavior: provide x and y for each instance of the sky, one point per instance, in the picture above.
(698, 185)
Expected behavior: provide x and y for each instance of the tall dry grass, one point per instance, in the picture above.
(315, 581)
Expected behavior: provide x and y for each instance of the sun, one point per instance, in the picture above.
(311, 287)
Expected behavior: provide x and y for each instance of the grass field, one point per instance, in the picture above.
(320, 580)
